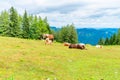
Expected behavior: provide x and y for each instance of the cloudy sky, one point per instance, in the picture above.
(83, 13)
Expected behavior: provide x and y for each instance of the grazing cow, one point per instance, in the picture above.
(47, 41)
(77, 46)
(66, 44)
(99, 46)
(50, 36)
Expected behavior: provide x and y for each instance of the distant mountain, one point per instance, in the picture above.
(54, 28)
(91, 35)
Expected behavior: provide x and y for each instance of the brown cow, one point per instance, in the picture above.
(50, 36)
(77, 46)
(73, 46)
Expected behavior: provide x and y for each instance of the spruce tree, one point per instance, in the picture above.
(111, 40)
(114, 39)
(73, 34)
(47, 25)
(101, 41)
(64, 34)
(42, 25)
(118, 38)
(34, 29)
(107, 41)
(14, 23)
(25, 26)
(4, 23)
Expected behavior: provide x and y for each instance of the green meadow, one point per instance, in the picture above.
(22, 59)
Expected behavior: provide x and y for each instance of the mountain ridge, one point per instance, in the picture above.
(92, 35)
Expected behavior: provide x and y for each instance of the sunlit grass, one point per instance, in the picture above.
(22, 59)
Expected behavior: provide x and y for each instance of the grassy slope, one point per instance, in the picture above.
(22, 59)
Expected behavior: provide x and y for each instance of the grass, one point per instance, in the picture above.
(22, 59)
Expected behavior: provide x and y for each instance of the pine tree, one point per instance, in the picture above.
(107, 41)
(34, 29)
(4, 23)
(64, 34)
(43, 26)
(47, 25)
(25, 26)
(118, 38)
(20, 25)
(101, 41)
(73, 34)
(14, 23)
(112, 39)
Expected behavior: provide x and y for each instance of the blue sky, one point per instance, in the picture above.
(83, 13)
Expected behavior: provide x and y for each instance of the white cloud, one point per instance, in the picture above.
(4, 5)
(83, 13)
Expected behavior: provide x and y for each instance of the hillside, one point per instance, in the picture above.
(92, 36)
(22, 59)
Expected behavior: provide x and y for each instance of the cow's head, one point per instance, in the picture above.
(45, 36)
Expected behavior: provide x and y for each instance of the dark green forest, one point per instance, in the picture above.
(32, 27)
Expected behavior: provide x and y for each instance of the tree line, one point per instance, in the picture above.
(27, 26)
(113, 40)
(32, 27)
